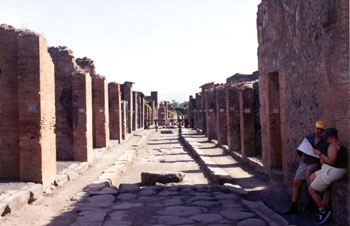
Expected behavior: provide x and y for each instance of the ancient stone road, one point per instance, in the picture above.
(197, 200)
(194, 201)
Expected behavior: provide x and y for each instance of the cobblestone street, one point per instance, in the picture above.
(194, 201)
(215, 190)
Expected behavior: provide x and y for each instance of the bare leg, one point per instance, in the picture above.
(296, 190)
(316, 197)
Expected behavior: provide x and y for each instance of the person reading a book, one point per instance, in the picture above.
(308, 164)
(334, 167)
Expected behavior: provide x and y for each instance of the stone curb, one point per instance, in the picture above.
(13, 200)
(109, 176)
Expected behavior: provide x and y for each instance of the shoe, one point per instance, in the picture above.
(324, 216)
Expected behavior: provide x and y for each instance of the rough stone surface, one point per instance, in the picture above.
(151, 178)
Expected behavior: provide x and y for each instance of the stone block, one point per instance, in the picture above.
(60, 179)
(151, 178)
(35, 191)
(17, 200)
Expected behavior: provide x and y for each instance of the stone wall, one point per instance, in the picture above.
(115, 117)
(27, 109)
(221, 122)
(53, 107)
(303, 60)
(99, 103)
(126, 90)
(64, 67)
(82, 117)
(209, 108)
(70, 115)
(9, 133)
(304, 66)
(230, 113)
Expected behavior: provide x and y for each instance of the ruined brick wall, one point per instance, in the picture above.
(9, 132)
(208, 91)
(221, 120)
(64, 67)
(247, 119)
(100, 113)
(126, 90)
(191, 111)
(304, 52)
(82, 117)
(200, 119)
(124, 123)
(115, 116)
(233, 121)
(242, 78)
(99, 103)
(154, 96)
(36, 94)
(135, 107)
(141, 110)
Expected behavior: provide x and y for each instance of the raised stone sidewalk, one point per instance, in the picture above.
(14, 195)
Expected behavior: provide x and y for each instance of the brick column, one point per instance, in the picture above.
(100, 111)
(209, 110)
(154, 96)
(124, 111)
(64, 67)
(221, 117)
(142, 110)
(36, 94)
(247, 119)
(135, 108)
(233, 118)
(82, 117)
(115, 113)
(9, 133)
(126, 90)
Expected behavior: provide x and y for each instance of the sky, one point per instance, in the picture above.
(169, 46)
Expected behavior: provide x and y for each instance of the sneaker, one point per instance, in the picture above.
(324, 216)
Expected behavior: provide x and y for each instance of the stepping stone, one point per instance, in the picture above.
(148, 178)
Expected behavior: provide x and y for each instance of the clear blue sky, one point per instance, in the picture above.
(169, 46)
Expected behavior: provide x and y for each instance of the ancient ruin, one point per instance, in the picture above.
(54, 107)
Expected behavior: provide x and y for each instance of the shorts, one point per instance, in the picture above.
(303, 167)
(325, 176)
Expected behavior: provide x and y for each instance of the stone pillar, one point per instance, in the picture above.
(200, 120)
(210, 110)
(221, 117)
(99, 103)
(154, 96)
(126, 90)
(9, 112)
(247, 121)
(233, 118)
(135, 108)
(64, 67)
(100, 111)
(142, 110)
(82, 117)
(115, 112)
(36, 97)
(124, 123)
